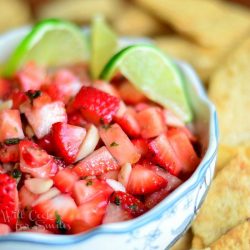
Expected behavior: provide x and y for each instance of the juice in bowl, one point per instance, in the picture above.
(102, 147)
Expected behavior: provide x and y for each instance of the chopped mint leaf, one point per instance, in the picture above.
(16, 173)
(11, 141)
(60, 225)
(114, 144)
(117, 201)
(89, 183)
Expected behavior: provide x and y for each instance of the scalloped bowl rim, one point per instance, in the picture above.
(154, 213)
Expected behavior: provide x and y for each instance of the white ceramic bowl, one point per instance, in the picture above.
(164, 224)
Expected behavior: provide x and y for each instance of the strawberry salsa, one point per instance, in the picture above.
(76, 153)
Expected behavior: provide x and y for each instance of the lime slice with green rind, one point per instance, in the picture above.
(153, 73)
(104, 43)
(51, 42)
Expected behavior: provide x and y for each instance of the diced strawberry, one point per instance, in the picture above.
(129, 203)
(144, 180)
(110, 175)
(171, 119)
(43, 113)
(184, 150)
(151, 122)
(8, 200)
(124, 174)
(5, 89)
(4, 229)
(63, 86)
(38, 185)
(164, 154)
(129, 94)
(79, 226)
(67, 140)
(186, 131)
(75, 118)
(141, 106)
(128, 123)
(119, 144)
(91, 213)
(96, 106)
(18, 97)
(106, 87)
(97, 163)
(30, 77)
(89, 143)
(26, 198)
(46, 143)
(34, 160)
(65, 180)
(9, 153)
(88, 189)
(116, 213)
(172, 183)
(141, 146)
(10, 124)
(56, 213)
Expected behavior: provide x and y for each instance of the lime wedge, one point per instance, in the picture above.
(153, 73)
(51, 42)
(104, 43)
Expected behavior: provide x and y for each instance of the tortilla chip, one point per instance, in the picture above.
(14, 13)
(184, 243)
(227, 203)
(197, 243)
(209, 22)
(80, 10)
(135, 21)
(237, 238)
(229, 89)
(202, 59)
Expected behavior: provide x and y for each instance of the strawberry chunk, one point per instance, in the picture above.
(151, 122)
(129, 123)
(56, 213)
(88, 189)
(164, 154)
(10, 124)
(144, 180)
(129, 203)
(18, 98)
(42, 113)
(5, 89)
(65, 180)
(184, 150)
(106, 87)
(63, 86)
(46, 143)
(9, 153)
(96, 106)
(8, 201)
(171, 119)
(30, 77)
(97, 163)
(116, 213)
(119, 144)
(67, 140)
(35, 161)
(4, 229)
(141, 146)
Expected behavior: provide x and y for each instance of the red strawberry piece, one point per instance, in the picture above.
(26, 198)
(30, 77)
(91, 213)
(67, 140)
(18, 97)
(9, 153)
(129, 123)
(34, 160)
(141, 106)
(88, 189)
(96, 106)
(184, 150)
(97, 163)
(141, 146)
(185, 130)
(144, 180)
(42, 113)
(119, 145)
(65, 180)
(106, 87)
(129, 203)
(5, 89)
(116, 213)
(79, 226)
(164, 154)
(110, 175)
(151, 122)
(46, 143)
(10, 124)
(4, 229)
(171, 119)
(8, 200)
(55, 214)
(129, 94)
(75, 118)
(62, 86)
